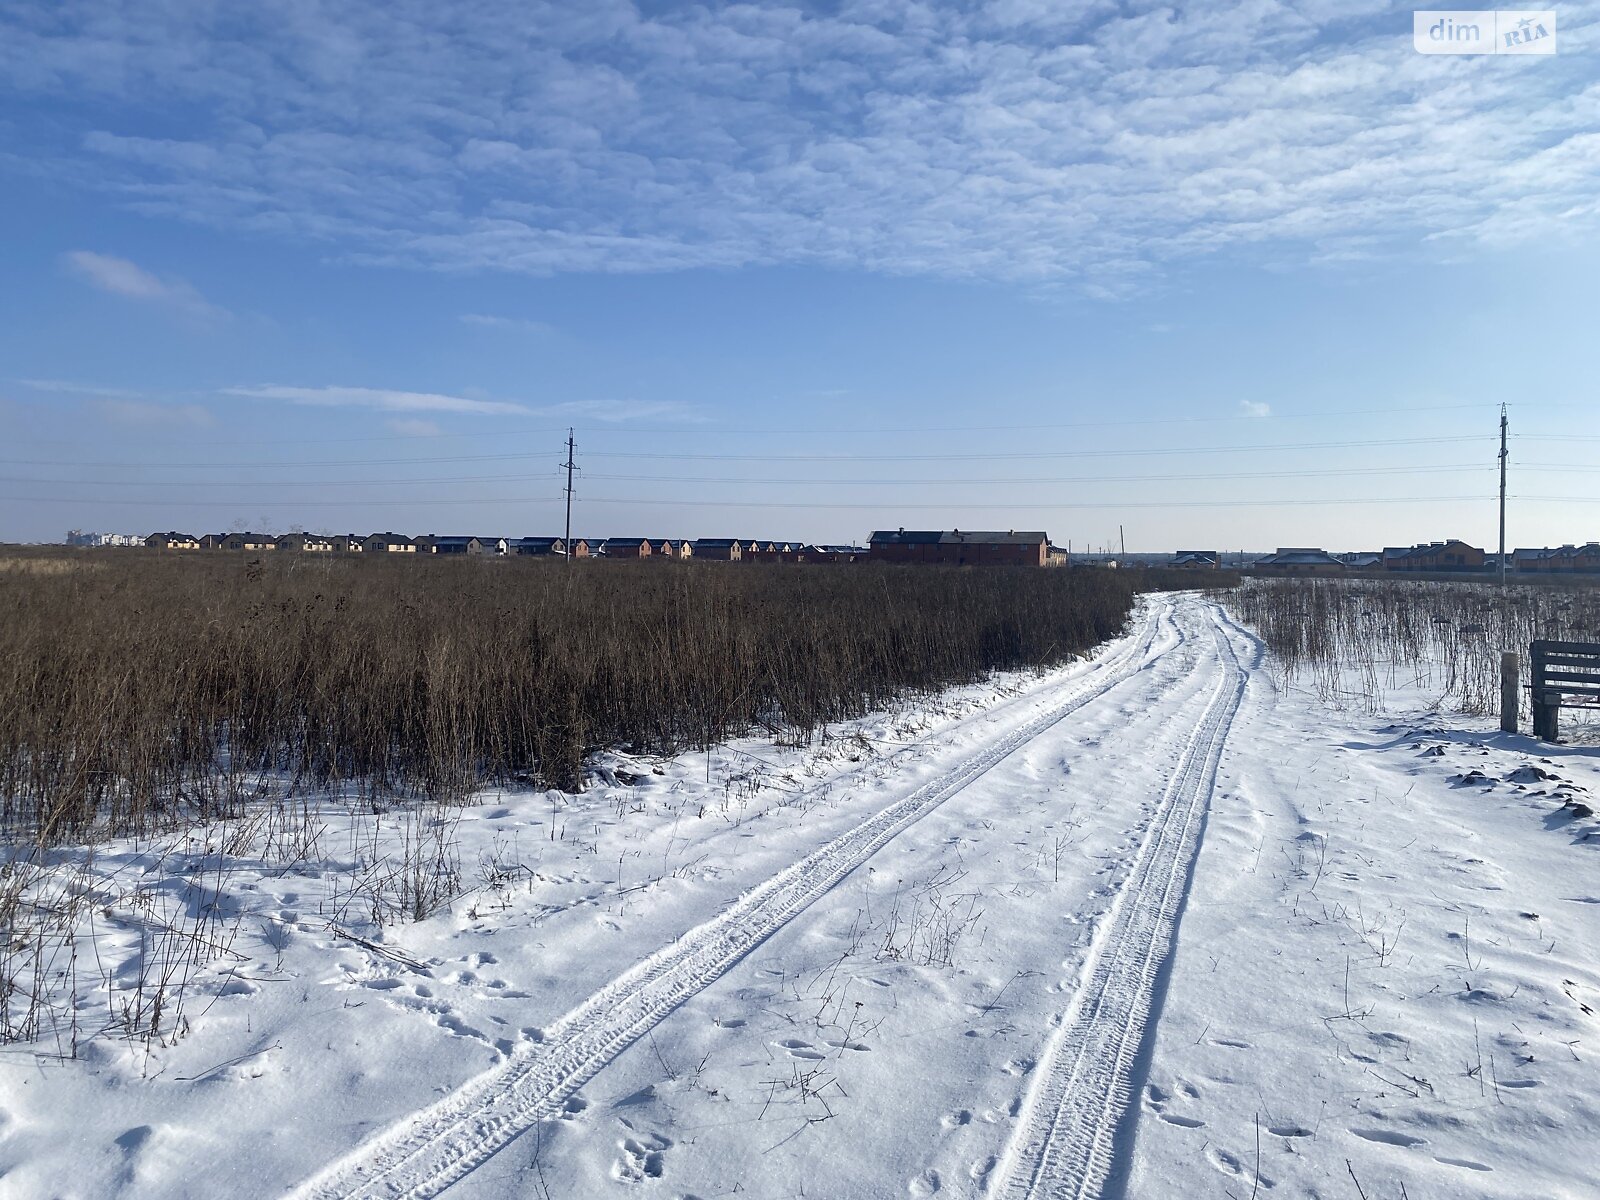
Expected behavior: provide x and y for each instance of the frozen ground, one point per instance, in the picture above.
(1149, 926)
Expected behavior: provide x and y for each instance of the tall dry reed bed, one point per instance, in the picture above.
(153, 687)
(1354, 641)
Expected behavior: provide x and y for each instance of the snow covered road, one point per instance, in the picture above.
(1141, 927)
(423, 1155)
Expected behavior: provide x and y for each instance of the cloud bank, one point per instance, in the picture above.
(379, 398)
(1033, 140)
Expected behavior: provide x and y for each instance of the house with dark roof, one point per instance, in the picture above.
(388, 543)
(475, 545)
(1299, 560)
(957, 547)
(1584, 558)
(172, 541)
(549, 547)
(1562, 560)
(251, 542)
(718, 549)
(1197, 560)
(627, 548)
(820, 552)
(1362, 560)
(1435, 557)
(305, 543)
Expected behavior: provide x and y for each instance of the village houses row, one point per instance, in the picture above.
(1449, 557)
(954, 547)
(951, 547)
(713, 549)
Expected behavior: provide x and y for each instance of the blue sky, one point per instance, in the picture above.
(1223, 275)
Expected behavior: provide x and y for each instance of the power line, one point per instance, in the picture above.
(1042, 454)
(1007, 456)
(828, 481)
(881, 506)
(705, 428)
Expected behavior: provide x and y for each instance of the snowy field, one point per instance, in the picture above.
(1155, 925)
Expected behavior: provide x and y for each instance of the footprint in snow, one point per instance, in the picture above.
(802, 1050)
(1390, 1137)
(1232, 1164)
(641, 1158)
(925, 1184)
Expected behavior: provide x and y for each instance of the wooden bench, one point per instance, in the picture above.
(1565, 675)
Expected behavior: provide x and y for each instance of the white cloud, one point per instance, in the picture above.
(120, 277)
(1019, 140)
(378, 398)
(1255, 408)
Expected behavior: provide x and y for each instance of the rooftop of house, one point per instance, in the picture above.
(957, 537)
(1286, 555)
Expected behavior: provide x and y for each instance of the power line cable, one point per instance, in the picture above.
(1008, 456)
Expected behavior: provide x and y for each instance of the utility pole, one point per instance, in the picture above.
(1503, 456)
(571, 466)
(1122, 541)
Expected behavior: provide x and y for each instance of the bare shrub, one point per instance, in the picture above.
(1352, 641)
(155, 689)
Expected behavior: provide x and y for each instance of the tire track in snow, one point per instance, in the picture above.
(1063, 1146)
(425, 1153)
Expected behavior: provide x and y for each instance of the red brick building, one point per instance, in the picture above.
(957, 547)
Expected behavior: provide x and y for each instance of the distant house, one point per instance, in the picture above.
(461, 544)
(1197, 560)
(542, 547)
(958, 547)
(836, 553)
(213, 541)
(681, 548)
(1299, 560)
(767, 550)
(388, 543)
(250, 542)
(626, 548)
(345, 543)
(1436, 557)
(1362, 560)
(719, 549)
(305, 543)
(1570, 559)
(172, 541)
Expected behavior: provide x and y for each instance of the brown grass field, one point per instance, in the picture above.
(137, 687)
